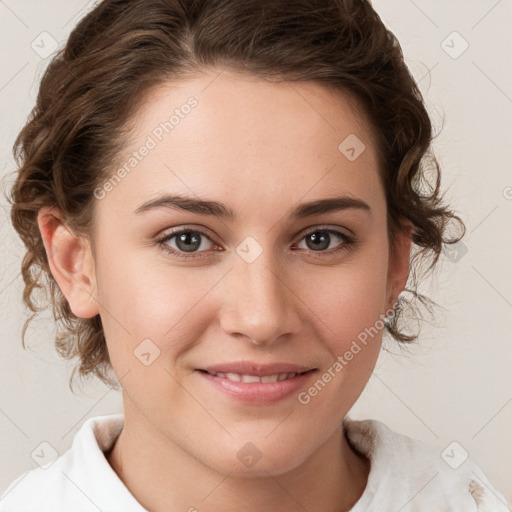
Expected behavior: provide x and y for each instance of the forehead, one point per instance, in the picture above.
(224, 134)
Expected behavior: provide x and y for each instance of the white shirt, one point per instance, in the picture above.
(406, 475)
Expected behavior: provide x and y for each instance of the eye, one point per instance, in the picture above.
(185, 243)
(321, 238)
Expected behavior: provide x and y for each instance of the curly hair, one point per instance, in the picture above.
(123, 48)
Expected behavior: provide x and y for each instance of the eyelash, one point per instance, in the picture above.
(346, 245)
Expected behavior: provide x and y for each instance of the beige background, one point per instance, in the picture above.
(456, 384)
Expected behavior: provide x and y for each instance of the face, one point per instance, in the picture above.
(267, 289)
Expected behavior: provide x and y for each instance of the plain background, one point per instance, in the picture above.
(455, 384)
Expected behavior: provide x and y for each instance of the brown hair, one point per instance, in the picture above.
(123, 48)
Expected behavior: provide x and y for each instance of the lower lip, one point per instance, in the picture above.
(258, 392)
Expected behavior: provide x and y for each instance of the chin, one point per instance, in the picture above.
(251, 461)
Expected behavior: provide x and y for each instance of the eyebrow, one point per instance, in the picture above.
(223, 211)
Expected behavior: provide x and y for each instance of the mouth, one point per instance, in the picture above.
(249, 379)
(257, 384)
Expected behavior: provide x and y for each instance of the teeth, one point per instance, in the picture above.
(250, 378)
(254, 378)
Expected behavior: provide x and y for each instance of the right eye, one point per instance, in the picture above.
(185, 243)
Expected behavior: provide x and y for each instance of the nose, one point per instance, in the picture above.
(260, 303)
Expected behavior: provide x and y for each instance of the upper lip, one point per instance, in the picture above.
(259, 370)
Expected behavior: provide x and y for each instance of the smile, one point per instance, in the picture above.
(256, 389)
(237, 377)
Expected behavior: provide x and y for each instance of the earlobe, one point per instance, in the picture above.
(71, 262)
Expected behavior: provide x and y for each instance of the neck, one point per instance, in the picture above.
(162, 476)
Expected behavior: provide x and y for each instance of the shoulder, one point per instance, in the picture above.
(79, 479)
(411, 474)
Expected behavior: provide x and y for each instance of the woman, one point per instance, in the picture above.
(223, 197)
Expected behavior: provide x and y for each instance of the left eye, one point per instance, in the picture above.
(320, 239)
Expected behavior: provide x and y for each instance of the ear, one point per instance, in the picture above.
(398, 268)
(71, 262)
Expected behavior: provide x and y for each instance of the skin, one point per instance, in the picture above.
(261, 148)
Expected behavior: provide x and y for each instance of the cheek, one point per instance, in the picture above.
(150, 300)
(349, 300)
(348, 315)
